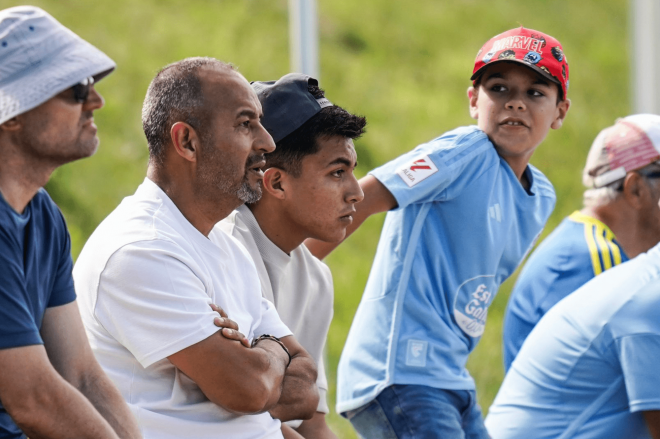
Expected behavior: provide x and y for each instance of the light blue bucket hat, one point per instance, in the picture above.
(40, 58)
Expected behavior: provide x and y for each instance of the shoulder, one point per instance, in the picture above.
(302, 253)
(233, 241)
(459, 145)
(44, 206)
(228, 224)
(542, 185)
(596, 240)
(233, 232)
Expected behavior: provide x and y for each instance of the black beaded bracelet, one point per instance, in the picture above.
(276, 340)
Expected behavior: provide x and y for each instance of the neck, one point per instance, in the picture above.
(277, 225)
(630, 230)
(201, 207)
(518, 164)
(21, 176)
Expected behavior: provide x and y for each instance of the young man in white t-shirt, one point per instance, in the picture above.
(148, 274)
(309, 191)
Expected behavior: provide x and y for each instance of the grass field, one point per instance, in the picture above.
(405, 65)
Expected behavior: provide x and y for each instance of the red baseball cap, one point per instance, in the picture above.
(532, 48)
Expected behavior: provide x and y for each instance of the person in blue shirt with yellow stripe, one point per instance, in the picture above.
(613, 226)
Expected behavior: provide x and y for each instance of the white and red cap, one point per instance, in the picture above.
(536, 50)
(632, 143)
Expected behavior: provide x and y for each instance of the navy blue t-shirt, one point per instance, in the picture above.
(35, 274)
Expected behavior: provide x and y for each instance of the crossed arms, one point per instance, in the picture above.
(246, 380)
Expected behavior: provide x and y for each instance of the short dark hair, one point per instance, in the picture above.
(330, 121)
(175, 94)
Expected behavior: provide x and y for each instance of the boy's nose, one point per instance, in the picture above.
(516, 103)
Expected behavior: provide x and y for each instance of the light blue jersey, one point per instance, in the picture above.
(590, 366)
(579, 249)
(463, 224)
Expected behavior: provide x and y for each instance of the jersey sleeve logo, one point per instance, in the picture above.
(420, 169)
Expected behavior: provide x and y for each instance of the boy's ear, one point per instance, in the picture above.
(272, 183)
(562, 110)
(473, 94)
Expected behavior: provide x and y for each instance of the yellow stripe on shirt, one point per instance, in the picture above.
(616, 251)
(599, 239)
(593, 249)
(604, 249)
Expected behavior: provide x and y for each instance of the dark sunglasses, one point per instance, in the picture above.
(655, 174)
(81, 89)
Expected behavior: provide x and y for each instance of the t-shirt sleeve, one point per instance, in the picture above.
(270, 321)
(429, 172)
(151, 302)
(638, 355)
(63, 291)
(17, 325)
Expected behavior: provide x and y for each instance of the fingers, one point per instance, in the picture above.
(224, 322)
(219, 310)
(233, 334)
(229, 327)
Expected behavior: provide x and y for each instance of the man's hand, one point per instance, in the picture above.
(300, 396)
(229, 327)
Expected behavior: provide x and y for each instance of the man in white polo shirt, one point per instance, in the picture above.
(148, 275)
(309, 192)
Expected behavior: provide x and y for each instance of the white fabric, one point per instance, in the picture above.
(144, 281)
(299, 285)
(39, 58)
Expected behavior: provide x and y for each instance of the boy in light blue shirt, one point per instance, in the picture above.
(464, 210)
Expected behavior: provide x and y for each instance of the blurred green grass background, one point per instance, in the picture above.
(405, 65)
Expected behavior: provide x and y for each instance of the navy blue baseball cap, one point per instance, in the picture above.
(287, 103)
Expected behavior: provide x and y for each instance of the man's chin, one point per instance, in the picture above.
(249, 194)
(332, 236)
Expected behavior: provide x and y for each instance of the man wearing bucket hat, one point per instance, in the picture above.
(50, 385)
(589, 368)
(619, 221)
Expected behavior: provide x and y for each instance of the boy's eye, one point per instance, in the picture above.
(498, 88)
(338, 172)
(535, 93)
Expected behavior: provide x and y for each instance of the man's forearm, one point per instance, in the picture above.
(300, 396)
(58, 410)
(290, 433)
(316, 428)
(105, 397)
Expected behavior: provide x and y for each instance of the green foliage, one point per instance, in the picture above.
(405, 65)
